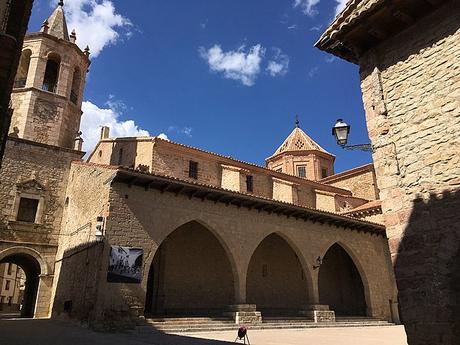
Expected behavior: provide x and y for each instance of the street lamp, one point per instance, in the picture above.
(340, 131)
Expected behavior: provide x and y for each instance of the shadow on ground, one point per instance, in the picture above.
(50, 332)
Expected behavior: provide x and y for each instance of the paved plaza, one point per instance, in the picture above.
(47, 332)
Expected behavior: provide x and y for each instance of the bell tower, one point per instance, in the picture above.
(48, 88)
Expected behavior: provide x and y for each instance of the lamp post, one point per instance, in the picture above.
(340, 131)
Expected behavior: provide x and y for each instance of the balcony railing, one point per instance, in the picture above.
(19, 83)
(49, 87)
(73, 97)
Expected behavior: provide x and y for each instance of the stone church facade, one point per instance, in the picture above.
(409, 58)
(211, 235)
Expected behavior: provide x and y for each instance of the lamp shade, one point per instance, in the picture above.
(341, 131)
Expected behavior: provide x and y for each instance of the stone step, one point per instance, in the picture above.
(175, 327)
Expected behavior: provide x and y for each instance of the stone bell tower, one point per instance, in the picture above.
(49, 84)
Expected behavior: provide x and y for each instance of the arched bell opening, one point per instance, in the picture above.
(51, 78)
(23, 69)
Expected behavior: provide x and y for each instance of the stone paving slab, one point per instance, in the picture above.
(50, 332)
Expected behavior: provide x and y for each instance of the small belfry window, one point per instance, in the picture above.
(76, 80)
(323, 172)
(250, 183)
(50, 80)
(301, 171)
(27, 211)
(193, 169)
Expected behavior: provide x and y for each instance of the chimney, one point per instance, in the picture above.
(105, 132)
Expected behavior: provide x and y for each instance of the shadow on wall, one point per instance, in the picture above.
(427, 271)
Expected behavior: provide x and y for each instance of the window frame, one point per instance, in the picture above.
(250, 183)
(193, 169)
(298, 168)
(40, 206)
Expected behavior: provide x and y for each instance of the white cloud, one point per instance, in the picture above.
(279, 64)
(315, 28)
(313, 71)
(240, 64)
(96, 23)
(330, 59)
(187, 131)
(94, 117)
(163, 136)
(292, 27)
(307, 6)
(340, 6)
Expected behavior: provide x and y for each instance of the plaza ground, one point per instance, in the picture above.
(48, 332)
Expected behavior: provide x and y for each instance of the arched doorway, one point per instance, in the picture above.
(32, 271)
(340, 284)
(276, 281)
(190, 275)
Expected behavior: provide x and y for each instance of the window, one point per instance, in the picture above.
(193, 169)
(323, 172)
(27, 210)
(23, 69)
(279, 170)
(301, 171)
(10, 300)
(50, 80)
(76, 80)
(120, 156)
(10, 268)
(249, 183)
(7, 285)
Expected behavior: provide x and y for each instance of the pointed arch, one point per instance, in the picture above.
(342, 282)
(278, 279)
(191, 273)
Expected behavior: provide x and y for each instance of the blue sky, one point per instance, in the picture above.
(227, 76)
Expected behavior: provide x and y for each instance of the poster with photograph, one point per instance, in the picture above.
(125, 265)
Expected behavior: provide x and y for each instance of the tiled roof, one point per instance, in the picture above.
(370, 206)
(298, 140)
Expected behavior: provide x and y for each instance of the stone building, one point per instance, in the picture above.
(12, 281)
(14, 17)
(149, 227)
(38, 154)
(409, 58)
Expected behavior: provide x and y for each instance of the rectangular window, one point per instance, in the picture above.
(323, 173)
(9, 300)
(250, 183)
(10, 268)
(301, 171)
(27, 210)
(7, 285)
(193, 169)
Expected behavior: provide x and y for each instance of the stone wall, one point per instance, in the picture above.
(411, 92)
(166, 158)
(80, 255)
(40, 171)
(360, 181)
(144, 219)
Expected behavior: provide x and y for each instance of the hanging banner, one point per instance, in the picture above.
(125, 265)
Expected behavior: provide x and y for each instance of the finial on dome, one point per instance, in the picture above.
(297, 122)
(61, 3)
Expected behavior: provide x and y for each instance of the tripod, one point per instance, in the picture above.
(242, 335)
